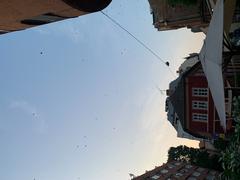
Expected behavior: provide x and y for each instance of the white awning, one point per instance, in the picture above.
(211, 60)
(183, 134)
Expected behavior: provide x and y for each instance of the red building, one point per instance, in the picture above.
(17, 15)
(193, 103)
(179, 170)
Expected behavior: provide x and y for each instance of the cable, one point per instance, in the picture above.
(138, 40)
(161, 90)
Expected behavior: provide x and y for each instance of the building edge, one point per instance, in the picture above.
(88, 5)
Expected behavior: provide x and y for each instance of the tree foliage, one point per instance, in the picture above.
(238, 3)
(220, 144)
(230, 157)
(194, 156)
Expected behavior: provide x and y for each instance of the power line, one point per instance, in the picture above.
(161, 90)
(138, 40)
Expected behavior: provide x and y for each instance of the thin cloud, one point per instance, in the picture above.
(71, 29)
(24, 106)
(42, 31)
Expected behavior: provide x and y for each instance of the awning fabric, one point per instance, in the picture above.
(211, 60)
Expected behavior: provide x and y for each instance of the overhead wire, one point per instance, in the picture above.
(161, 90)
(138, 40)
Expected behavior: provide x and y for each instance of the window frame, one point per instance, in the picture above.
(200, 117)
(200, 92)
(199, 105)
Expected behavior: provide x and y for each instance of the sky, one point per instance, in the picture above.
(79, 98)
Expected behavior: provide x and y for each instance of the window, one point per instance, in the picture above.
(200, 105)
(3, 31)
(200, 92)
(177, 164)
(178, 174)
(188, 166)
(200, 169)
(191, 178)
(210, 177)
(199, 117)
(155, 177)
(42, 19)
(170, 166)
(196, 174)
(154, 17)
(184, 170)
(164, 171)
(213, 172)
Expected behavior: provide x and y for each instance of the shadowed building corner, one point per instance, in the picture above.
(16, 15)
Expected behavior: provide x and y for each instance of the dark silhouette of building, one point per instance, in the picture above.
(168, 16)
(18, 15)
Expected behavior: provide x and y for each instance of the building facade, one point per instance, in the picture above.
(193, 113)
(179, 170)
(17, 15)
(168, 16)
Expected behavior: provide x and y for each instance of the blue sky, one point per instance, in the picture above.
(79, 99)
